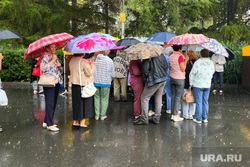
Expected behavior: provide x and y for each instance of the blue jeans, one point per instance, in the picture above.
(201, 96)
(168, 94)
(177, 88)
(215, 80)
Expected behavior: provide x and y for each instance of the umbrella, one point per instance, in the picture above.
(143, 51)
(87, 44)
(127, 42)
(188, 39)
(7, 34)
(37, 48)
(213, 45)
(115, 39)
(230, 54)
(101, 35)
(160, 38)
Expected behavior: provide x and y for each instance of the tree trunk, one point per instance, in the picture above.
(106, 11)
(74, 22)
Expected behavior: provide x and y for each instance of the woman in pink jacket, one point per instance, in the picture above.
(137, 85)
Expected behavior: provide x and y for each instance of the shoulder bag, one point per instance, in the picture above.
(89, 89)
(47, 80)
(189, 96)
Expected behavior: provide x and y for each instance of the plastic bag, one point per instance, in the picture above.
(3, 98)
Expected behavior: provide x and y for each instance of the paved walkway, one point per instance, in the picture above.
(116, 141)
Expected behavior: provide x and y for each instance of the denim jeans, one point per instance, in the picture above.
(168, 94)
(201, 96)
(215, 80)
(177, 87)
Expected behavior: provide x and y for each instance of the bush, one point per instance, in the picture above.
(15, 68)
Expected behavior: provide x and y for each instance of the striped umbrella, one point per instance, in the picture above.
(188, 39)
(37, 48)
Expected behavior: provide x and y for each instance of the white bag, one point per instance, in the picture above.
(3, 98)
(89, 89)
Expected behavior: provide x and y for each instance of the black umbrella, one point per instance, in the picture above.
(7, 34)
(230, 54)
(127, 42)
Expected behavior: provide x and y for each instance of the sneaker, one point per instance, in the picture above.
(137, 119)
(205, 121)
(45, 125)
(35, 92)
(214, 91)
(186, 116)
(63, 92)
(221, 91)
(190, 117)
(172, 117)
(176, 119)
(198, 122)
(97, 118)
(151, 114)
(140, 122)
(52, 128)
(168, 111)
(103, 118)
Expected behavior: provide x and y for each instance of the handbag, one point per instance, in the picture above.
(47, 80)
(36, 70)
(89, 89)
(189, 96)
(3, 98)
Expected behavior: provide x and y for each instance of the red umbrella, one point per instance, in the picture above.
(37, 48)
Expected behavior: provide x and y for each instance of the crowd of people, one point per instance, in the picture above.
(173, 73)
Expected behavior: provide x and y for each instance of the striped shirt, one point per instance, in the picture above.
(104, 71)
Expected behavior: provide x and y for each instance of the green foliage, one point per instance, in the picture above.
(233, 68)
(235, 33)
(14, 67)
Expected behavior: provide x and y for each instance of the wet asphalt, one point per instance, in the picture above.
(116, 141)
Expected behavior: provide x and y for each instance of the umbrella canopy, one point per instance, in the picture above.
(213, 46)
(143, 51)
(89, 44)
(127, 42)
(188, 39)
(230, 54)
(108, 36)
(37, 48)
(160, 38)
(7, 34)
(114, 38)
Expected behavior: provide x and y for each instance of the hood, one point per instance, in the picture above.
(100, 57)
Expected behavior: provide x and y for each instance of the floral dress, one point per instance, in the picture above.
(53, 69)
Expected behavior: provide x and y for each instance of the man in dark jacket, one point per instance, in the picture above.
(154, 72)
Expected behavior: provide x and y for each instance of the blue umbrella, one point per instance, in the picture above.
(160, 38)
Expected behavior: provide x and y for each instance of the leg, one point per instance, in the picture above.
(205, 105)
(198, 93)
(97, 101)
(168, 95)
(215, 80)
(221, 80)
(185, 106)
(172, 94)
(138, 89)
(179, 87)
(116, 89)
(146, 95)
(124, 83)
(158, 102)
(192, 108)
(104, 100)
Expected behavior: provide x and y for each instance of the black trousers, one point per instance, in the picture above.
(51, 94)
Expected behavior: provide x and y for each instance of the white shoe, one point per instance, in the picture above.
(172, 117)
(214, 91)
(103, 118)
(190, 117)
(168, 111)
(35, 92)
(205, 121)
(175, 119)
(151, 114)
(186, 116)
(198, 122)
(52, 128)
(221, 91)
(45, 125)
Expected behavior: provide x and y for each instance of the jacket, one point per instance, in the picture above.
(189, 67)
(86, 68)
(121, 67)
(104, 71)
(154, 70)
(221, 61)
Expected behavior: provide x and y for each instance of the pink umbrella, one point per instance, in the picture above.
(188, 39)
(37, 48)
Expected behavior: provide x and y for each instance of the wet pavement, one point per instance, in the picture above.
(116, 141)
